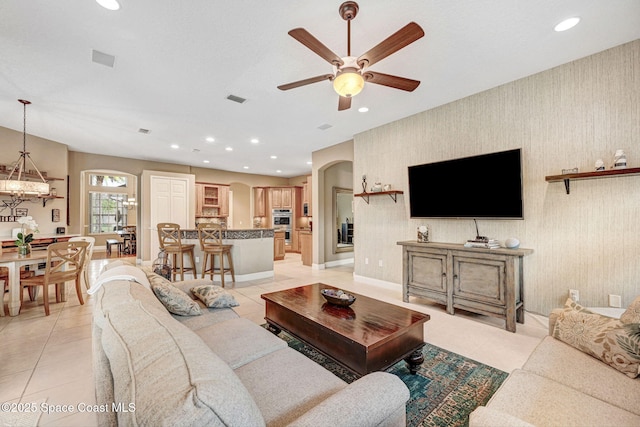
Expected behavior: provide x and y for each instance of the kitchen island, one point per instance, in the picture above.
(252, 252)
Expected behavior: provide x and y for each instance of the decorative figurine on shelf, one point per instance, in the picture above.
(599, 165)
(376, 188)
(620, 160)
(423, 234)
(364, 183)
(387, 187)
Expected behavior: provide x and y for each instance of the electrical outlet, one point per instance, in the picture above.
(379, 263)
(197, 259)
(366, 260)
(574, 294)
(615, 301)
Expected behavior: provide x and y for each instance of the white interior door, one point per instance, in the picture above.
(169, 203)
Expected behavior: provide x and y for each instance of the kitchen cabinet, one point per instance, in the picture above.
(306, 197)
(281, 197)
(212, 200)
(278, 245)
(306, 247)
(259, 202)
(484, 281)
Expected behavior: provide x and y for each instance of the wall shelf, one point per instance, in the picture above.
(611, 173)
(392, 193)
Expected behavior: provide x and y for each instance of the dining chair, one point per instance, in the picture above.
(170, 240)
(65, 261)
(210, 236)
(87, 258)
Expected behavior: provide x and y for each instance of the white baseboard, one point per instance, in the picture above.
(381, 283)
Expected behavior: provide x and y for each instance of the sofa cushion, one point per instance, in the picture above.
(285, 385)
(605, 338)
(214, 296)
(545, 402)
(632, 314)
(169, 374)
(554, 359)
(176, 301)
(239, 341)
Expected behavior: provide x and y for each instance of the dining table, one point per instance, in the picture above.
(13, 261)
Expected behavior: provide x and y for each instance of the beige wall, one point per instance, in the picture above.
(49, 157)
(323, 160)
(562, 118)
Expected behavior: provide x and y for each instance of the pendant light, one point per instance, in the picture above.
(17, 182)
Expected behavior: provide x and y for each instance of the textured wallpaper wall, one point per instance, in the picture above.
(565, 117)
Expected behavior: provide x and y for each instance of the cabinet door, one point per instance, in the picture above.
(259, 202)
(223, 197)
(278, 246)
(479, 280)
(428, 274)
(199, 197)
(287, 198)
(276, 198)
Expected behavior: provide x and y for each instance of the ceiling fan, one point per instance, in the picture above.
(350, 72)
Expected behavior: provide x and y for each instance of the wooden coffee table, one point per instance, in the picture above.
(368, 336)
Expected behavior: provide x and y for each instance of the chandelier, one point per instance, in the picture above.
(17, 182)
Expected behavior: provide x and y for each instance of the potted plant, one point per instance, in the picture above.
(23, 241)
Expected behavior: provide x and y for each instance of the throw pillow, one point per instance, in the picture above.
(602, 337)
(571, 305)
(214, 296)
(632, 314)
(176, 301)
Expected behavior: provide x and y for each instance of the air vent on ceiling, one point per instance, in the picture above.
(145, 131)
(103, 58)
(237, 99)
(324, 126)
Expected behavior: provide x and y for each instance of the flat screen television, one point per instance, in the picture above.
(486, 186)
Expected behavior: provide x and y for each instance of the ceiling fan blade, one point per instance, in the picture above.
(391, 81)
(401, 38)
(344, 103)
(305, 82)
(304, 37)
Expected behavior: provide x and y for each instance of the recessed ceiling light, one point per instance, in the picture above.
(245, 167)
(210, 139)
(175, 146)
(309, 163)
(274, 157)
(255, 141)
(109, 4)
(229, 149)
(363, 109)
(567, 24)
(278, 171)
(206, 161)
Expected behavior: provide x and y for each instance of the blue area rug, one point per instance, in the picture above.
(446, 389)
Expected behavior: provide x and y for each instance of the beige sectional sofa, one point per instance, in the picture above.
(153, 368)
(560, 385)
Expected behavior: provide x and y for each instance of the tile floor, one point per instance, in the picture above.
(50, 357)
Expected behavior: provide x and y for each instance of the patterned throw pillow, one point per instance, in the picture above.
(214, 296)
(175, 301)
(605, 338)
(632, 315)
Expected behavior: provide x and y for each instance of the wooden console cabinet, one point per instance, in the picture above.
(484, 281)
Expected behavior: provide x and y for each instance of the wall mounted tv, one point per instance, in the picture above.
(486, 186)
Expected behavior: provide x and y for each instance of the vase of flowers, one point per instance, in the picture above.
(23, 242)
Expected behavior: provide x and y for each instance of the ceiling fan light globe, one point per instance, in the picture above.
(348, 84)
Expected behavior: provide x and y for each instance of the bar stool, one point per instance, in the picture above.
(210, 236)
(170, 241)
